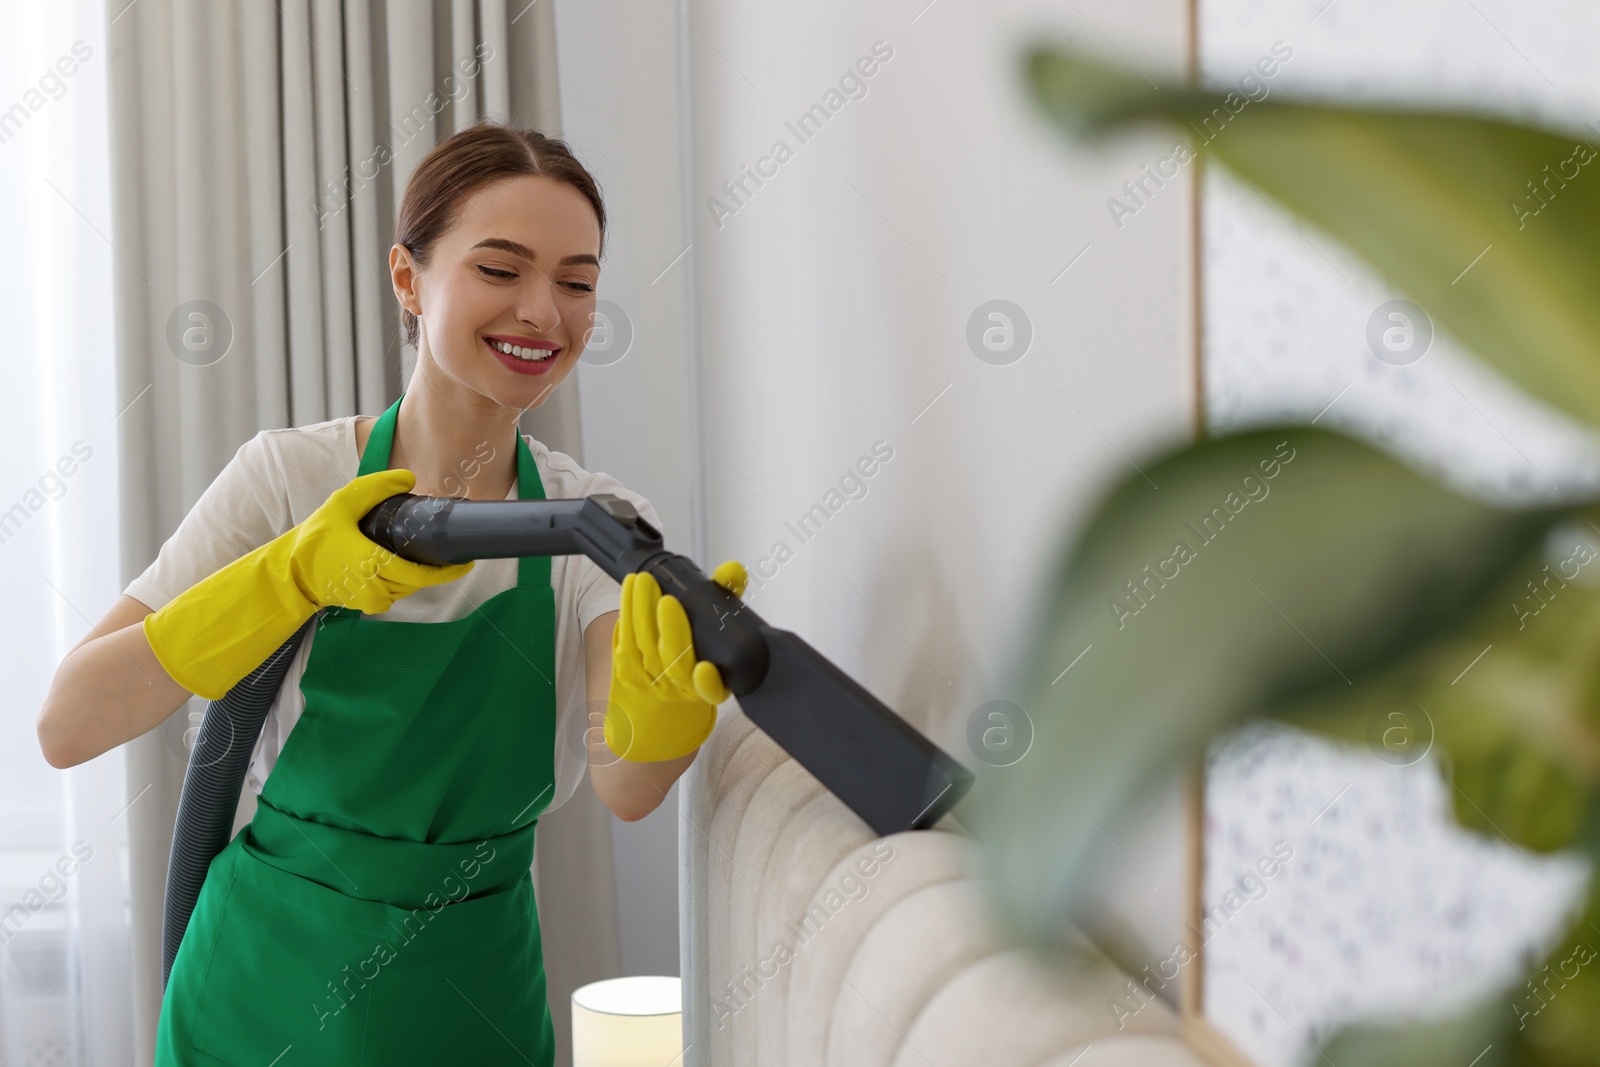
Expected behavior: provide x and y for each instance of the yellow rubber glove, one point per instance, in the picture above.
(663, 702)
(223, 627)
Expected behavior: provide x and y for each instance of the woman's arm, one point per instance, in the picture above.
(108, 690)
(631, 790)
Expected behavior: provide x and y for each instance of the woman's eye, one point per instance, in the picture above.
(579, 287)
(496, 273)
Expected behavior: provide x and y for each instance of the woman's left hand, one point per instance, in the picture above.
(663, 700)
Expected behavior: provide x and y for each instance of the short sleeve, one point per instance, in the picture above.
(242, 509)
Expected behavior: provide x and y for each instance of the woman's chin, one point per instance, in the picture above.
(530, 391)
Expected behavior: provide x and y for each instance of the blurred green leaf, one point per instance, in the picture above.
(1554, 1015)
(1478, 1038)
(1420, 195)
(1510, 702)
(1507, 699)
(1271, 566)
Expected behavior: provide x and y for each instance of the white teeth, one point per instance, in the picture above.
(536, 355)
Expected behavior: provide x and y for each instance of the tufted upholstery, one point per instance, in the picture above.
(808, 942)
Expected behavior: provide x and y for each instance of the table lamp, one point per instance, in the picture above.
(628, 1022)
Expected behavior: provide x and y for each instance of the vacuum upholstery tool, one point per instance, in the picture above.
(875, 762)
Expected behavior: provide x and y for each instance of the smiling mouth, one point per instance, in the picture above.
(527, 355)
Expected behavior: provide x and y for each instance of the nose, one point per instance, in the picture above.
(537, 306)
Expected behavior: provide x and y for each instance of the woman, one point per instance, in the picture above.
(378, 909)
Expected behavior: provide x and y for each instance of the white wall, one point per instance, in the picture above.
(834, 308)
(619, 70)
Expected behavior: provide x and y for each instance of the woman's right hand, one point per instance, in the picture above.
(111, 687)
(223, 627)
(334, 564)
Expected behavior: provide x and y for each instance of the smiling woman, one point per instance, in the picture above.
(435, 726)
(431, 695)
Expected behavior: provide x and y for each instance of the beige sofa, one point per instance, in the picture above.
(808, 942)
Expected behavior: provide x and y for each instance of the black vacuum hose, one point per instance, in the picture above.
(211, 788)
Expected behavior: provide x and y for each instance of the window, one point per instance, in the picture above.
(64, 930)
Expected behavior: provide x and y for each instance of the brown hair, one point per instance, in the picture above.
(477, 156)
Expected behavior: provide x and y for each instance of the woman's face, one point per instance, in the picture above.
(520, 266)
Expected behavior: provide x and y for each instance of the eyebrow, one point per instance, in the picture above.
(518, 249)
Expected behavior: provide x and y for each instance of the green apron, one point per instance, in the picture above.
(379, 908)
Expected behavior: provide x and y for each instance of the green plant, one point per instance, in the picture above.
(1342, 582)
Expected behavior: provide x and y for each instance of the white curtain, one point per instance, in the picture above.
(63, 835)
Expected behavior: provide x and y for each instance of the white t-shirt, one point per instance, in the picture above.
(279, 477)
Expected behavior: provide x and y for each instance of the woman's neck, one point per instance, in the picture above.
(458, 443)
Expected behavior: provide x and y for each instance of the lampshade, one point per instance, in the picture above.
(628, 1022)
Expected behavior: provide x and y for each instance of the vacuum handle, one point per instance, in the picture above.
(725, 631)
(440, 530)
(604, 527)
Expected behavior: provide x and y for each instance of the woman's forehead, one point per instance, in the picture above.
(548, 217)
